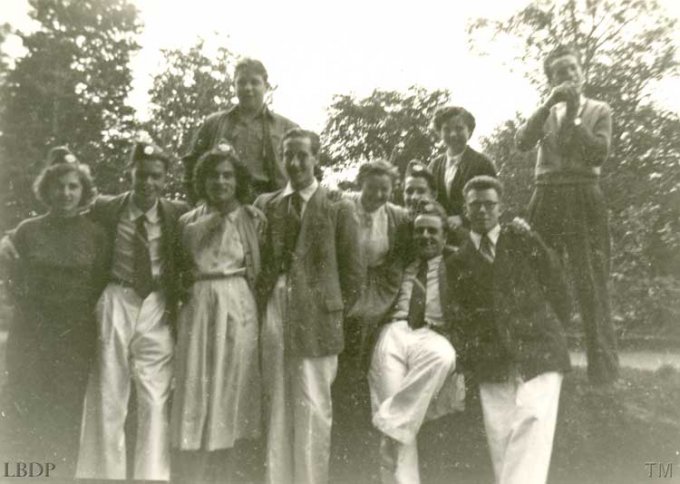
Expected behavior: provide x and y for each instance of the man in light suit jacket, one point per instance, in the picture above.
(504, 279)
(133, 317)
(312, 274)
(454, 125)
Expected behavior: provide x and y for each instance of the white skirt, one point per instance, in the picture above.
(217, 396)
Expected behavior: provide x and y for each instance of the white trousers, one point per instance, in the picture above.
(134, 342)
(408, 370)
(298, 404)
(520, 418)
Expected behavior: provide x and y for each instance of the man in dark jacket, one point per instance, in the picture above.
(253, 129)
(504, 279)
(135, 338)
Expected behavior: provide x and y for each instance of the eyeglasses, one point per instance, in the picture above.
(478, 205)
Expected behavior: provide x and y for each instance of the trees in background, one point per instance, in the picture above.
(69, 88)
(387, 124)
(190, 84)
(627, 47)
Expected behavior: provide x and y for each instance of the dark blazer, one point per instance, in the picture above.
(106, 210)
(471, 164)
(503, 318)
(325, 275)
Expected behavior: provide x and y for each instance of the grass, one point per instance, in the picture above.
(601, 438)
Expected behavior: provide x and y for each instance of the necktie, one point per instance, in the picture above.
(143, 283)
(485, 248)
(416, 307)
(293, 224)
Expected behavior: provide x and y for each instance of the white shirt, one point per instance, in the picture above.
(433, 305)
(124, 246)
(373, 232)
(306, 193)
(493, 234)
(452, 162)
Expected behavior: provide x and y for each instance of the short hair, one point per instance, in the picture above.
(418, 169)
(557, 52)
(443, 114)
(483, 182)
(223, 151)
(44, 181)
(303, 133)
(431, 207)
(377, 167)
(144, 150)
(248, 64)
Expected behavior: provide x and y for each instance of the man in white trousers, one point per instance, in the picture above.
(411, 376)
(312, 273)
(505, 279)
(135, 339)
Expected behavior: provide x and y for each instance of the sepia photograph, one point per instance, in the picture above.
(359, 242)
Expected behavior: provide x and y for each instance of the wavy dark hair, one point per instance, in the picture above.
(207, 163)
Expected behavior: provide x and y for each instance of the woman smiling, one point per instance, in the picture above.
(217, 396)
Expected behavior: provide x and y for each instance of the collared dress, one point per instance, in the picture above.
(55, 284)
(218, 386)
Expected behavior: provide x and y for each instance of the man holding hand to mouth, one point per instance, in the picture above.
(568, 208)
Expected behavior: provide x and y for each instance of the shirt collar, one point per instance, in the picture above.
(264, 111)
(452, 160)
(434, 262)
(493, 234)
(134, 212)
(306, 193)
(231, 216)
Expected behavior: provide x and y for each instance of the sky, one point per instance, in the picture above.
(314, 49)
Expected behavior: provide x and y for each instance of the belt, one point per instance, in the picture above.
(212, 277)
(155, 286)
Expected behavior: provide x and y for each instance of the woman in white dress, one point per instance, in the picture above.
(218, 387)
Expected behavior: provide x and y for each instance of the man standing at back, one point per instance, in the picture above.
(312, 274)
(251, 127)
(568, 208)
(135, 339)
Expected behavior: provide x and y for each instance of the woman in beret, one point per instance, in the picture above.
(56, 275)
(218, 390)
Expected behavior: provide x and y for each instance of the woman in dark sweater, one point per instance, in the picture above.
(55, 282)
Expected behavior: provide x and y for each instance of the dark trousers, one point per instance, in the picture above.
(572, 219)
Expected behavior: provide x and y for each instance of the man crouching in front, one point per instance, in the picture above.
(413, 361)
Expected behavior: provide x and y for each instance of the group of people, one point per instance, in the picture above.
(231, 319)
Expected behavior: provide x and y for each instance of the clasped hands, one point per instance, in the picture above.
(567, 92)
